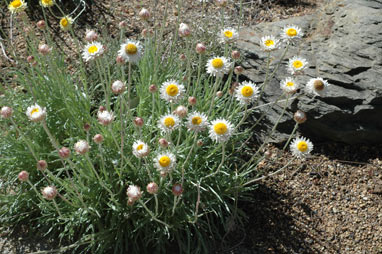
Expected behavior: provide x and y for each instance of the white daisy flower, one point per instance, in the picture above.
(66, 22)
(317, 86)
(301, 147)
(197, 121)
(47, 3)
(246, 93)
(291, 32)
(131, 51)
(220, 130)
(134, 193)
(228, 34)
(218, 66)
(269, 43)
(140, 149)
(289, 85)
(92, 50)
(36, 113)
(171, 91)
(17, 6)
(168, 123)
(165, 162)
(296, 65)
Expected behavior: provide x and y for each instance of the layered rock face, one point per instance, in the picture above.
(343, 44)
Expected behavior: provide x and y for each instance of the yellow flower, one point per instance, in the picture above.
(220, 130)
(47, 3)
(65, 23)
(171, 91)
(17, 6)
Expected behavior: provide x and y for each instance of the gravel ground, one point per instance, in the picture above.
(331, 203)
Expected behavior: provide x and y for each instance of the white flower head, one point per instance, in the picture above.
(49, 192)
(165, 162)
(297, 65)
(17, 6)
(81, 147)
(228, 34)
(66, 23)
(140, 149)
(36, 113)
(289, 85)
(246, 93)
(184, 30)
(92, 50)
(220, 130)
(269, 43)
(134, 193)
(47, 3)
(168, 123)
(131, 51)
(301, 147)
(197, 121)
(317, 86)
(291, 33)
(118, 87)
(105, 117)
(171, 91)
(218, 66)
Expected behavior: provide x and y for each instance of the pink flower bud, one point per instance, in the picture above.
(177, 189)
(238, 70)
(200, 48)
(122, 24)
(98, 138)
(182, 57)
(163, 142)
(49, 192)
(133, 192)
(199, 143)
(6, 112)
(268, 154)
(299, 117)
(120, 60)
(181, 111)
(153, 88)
(91, 35)
(101, 108)
(235, 54)
(86, 127)
(184, 30)
(118, 87)
(191, 101)
(138, 121)
(219, 94)
(64, 152)
(30, 59)
(23, 176)
(104, 117)
(152, 188)
(41, 165)
(44, 49)
(144, 14)
(40, 24)
(81, 147)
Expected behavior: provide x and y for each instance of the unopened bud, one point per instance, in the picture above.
(177, 189)
(144, 14)
(86, 127)
(91, 35)
(120, 60)
(184, 30)
(30, 59)
(238, 70)
(182, 57)
(268, 154)
(64, 152)
(181, 111)
(199, 143)
(40, 24)
(49, 192)
(152, 188)
(153, 88)
(122, 24)
(138, 121)
(163, 143)
(192, 100)
(101, 108)
(6, 112)
(44, 49)
(235, 54)
(219, 94)
(200, 48)
(41, 165)
(299, 117)
(98, 138)
(118, 87)
(23, 176)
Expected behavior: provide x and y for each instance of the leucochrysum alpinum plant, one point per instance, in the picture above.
(128, 145)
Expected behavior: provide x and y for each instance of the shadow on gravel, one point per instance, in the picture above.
(275, 227)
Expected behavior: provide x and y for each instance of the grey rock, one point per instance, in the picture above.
(343, 44)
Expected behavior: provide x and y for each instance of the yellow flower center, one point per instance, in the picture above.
(172, 90)
(269, 43)
(297, 64)
(228, 34)
(291, 32)
(196, 120)
(47, 2)
(35, 110)
(131, 49)
(93, 49)
(302, 146)
(16, 3)
(247, 91)
(164, 161)
(64, 22)
(217, 63)
(220, 128)
(290, 84)
(140, 147)
(169, 122)
(318, 85)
